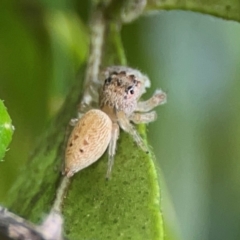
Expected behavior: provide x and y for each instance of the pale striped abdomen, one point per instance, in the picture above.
(88, 141)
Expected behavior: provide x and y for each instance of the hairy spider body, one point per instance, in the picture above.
(119, 106)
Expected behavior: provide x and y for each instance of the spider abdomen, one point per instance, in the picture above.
(88, 141)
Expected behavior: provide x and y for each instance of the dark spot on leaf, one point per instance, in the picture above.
(81, 150)
(70, 144)
(228, 8)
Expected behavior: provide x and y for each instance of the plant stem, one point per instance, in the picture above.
(91, 82)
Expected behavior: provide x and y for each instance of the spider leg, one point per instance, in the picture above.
(128, 127)
(158, 98)
(112, 148)
(138, 118)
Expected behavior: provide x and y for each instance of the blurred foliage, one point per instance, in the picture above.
(195, 58)
(226, 9)
(38, 65)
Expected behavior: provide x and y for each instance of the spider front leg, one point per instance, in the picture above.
(128, 127)
(138, 118)
(112, 148)
(158, 98)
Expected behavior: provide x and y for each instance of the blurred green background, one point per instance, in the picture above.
(195, 58)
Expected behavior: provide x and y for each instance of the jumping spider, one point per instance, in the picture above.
(119, 106)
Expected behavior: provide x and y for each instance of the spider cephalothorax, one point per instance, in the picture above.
(121, 91)
(119, 105)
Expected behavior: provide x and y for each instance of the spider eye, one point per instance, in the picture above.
(108, 80)
(130, 90)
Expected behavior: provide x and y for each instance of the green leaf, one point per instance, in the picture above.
(227, 9)
(6, 129)
(125, 207)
